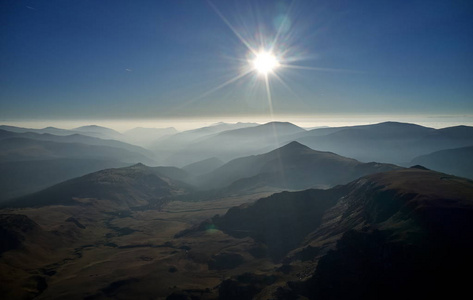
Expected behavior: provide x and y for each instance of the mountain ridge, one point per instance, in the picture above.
(366, 239)
(126, 188)
(293, 166)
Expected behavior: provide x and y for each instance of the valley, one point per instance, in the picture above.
(90, 249)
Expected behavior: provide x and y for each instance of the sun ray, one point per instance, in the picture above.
(225, 20)
(268, 94)
(289, 66)
(282, 25)
(213, 90)
(285, 85)
(222, 85)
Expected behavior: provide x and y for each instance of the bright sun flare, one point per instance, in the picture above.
(265, 62)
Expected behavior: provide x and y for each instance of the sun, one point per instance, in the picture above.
(265, 62)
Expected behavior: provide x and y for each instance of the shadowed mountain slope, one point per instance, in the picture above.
(17, 229)
(125, 188)
(204, 166)
(20, 178)
(403, 233)
(385, 235)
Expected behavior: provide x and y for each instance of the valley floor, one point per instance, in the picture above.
(99, 255)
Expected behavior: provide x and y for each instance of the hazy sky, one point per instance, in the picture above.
(89, 59)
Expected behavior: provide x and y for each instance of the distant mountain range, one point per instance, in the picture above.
(230, 144)
(76, 139)
(49, 130)
(202, 151)
(89, 130)
(99, 131)
(389, 142)
(143, 137)
(185, 147)
(457, 161)
(32, 161)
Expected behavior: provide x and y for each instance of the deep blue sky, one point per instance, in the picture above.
(89, 59)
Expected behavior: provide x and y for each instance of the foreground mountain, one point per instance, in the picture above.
(117, 189)
(458, 161)
(293, 166)
(390, 142)
(404, 233)
(16, 230)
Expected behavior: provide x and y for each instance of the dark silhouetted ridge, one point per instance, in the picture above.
(385, 235)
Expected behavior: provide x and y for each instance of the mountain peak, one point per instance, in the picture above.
(139, 165)
(418, 167)
(90, 126)
(295, 146)
(279, 123)
(94, 128)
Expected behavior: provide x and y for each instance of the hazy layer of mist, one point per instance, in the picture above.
(182, 124)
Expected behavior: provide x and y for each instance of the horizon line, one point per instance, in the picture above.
(182, 124)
